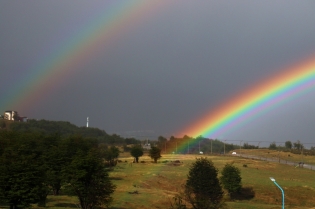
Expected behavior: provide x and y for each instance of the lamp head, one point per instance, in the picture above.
(272, 179)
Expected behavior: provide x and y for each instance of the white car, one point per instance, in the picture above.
(233, 153)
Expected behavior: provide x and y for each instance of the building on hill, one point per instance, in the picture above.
(10, 115)
(13, 115)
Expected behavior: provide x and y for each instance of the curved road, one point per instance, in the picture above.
(303, 165)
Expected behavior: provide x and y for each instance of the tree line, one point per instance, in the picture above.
(191, 145)
(33, 165)
(66, 129)
(293, 147)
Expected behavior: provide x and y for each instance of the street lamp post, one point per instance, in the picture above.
(258, 149)
(274, 181)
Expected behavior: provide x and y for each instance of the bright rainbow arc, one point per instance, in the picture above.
(285, 85)
(61, 64)
(289, 83)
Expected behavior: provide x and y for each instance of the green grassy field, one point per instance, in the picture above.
(148, 185)
(156, 184)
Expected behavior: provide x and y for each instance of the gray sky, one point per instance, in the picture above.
(165, 69)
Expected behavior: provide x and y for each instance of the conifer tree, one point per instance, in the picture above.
(231, 179)
(202, 188)
(155, 153)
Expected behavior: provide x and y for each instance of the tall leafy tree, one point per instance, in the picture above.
(202, 188)
(273, 145)
(155, 153)
(88, 179)
(110, 154)
(297, 145)
(136, 152)
(231, 179)
(55, 162)
(288, 144)
(22, 172)
(161, 142)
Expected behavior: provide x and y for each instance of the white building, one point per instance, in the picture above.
(10, 115)
(13, 115)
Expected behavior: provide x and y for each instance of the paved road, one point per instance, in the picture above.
(295, 164)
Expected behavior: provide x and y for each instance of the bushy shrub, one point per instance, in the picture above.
(231, 179)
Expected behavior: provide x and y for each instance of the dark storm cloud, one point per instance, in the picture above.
(169, 70)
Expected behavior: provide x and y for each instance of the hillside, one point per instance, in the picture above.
(62, 128)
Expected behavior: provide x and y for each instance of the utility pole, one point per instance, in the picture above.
(176, 147)
(279, 155)
(224, 147)
(302, 157)
(211, 146)
(165, 147)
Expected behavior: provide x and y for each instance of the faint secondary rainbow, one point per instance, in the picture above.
(75, 49)
(290, 82)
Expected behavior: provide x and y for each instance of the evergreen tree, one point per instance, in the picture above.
(155, 153)
(231, 179)
(202, 188)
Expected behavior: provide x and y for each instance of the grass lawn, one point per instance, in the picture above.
(148, 185)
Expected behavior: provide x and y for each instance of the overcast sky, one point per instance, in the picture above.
(166, 69)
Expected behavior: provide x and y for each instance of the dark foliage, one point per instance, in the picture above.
(64, 129)
(22, 170)
(33, 164)
(249, 146)
(202, 188)
(136, 152)
(231, 179)
(155, 153)
(88, 179)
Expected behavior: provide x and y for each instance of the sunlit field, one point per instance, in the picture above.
(149, 185)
